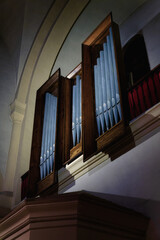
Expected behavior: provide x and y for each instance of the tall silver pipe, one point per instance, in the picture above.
(115, 73)
(100, 95)
(111, 72)
(104, 93)
(108, 84)
(96, 98)
(74, 115)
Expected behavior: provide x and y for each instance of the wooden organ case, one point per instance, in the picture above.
(51, 133)
(103, 88)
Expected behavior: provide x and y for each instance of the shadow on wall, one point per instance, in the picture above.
(1, 181)
(67, 183)
(149, 208)
(141, 129)
(123, 144)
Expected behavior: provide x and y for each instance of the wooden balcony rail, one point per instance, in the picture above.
(145, 93)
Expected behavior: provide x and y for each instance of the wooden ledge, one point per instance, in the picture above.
(145, 123)
(74, 216)
(78, 168)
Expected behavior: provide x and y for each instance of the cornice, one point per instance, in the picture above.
(146, 122)
(78, 168)
(17, 111)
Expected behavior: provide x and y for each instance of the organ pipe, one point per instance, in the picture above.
(76, 111)
(48, 135)
(107, 99)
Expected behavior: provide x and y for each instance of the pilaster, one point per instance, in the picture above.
(17, 115)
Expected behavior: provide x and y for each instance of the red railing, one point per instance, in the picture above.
(24, 185)
(145, 93)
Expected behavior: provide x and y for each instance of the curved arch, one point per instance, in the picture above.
(37, 48)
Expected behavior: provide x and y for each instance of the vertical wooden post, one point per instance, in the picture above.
(88, 105)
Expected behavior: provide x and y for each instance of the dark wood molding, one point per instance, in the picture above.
(111, 136)
(99, 32)
(45, 183)
(68, 119)
(75, 151)
(88, 104)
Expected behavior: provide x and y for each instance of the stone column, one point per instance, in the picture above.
(17, 115)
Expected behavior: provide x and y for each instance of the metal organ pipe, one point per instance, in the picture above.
(96, 98)
(108, 85)
(54, 129)
(48, 135)
(100, 95)
(74, 115)
(105, 110)
(45, 134)
(76, 111)
(107, 99)
(115, 73)
(80, 117)
(50, 142)
(78, 107)
(113, 90)
(42, 145)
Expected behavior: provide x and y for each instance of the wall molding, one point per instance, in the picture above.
(78, 168)
(146, 122)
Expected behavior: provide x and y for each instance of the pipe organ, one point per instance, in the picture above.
(81, 113)
(103, 75)
(48, 136)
